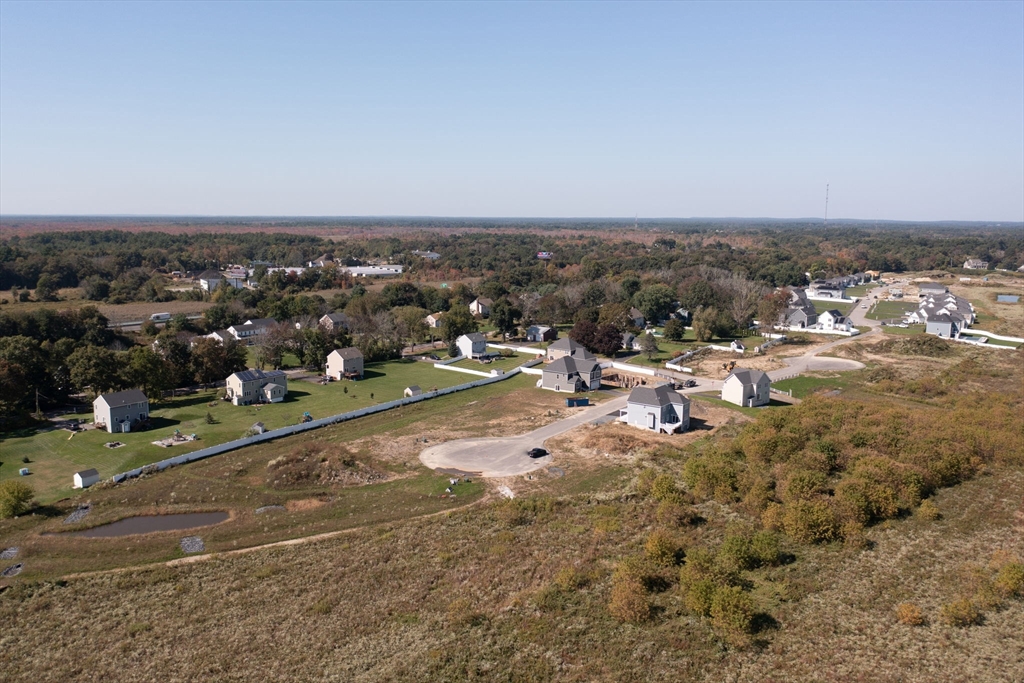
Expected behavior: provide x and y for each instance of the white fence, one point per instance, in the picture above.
(982, 343)
(990, 335)
(533, 350)
(306, 426)
(468, 371)
(626, 367)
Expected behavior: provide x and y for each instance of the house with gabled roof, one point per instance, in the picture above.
(120, 410)
(209, 280)
(472, 345)
(833, 320)
(345, 363)
(250, 329)
(434, 320)
(481, 306)
(567, 347)
(659, 409)
(247, 387)
(637, 318)
(747, 388)
(541, 333)
(572, 374)
(333, 322)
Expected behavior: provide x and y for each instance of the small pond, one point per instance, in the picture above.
(1007, 298)
(149, 523)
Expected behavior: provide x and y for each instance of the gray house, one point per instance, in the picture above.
(943, 323)
(567, 347)
(342, 363)
(541, 333)
(803, 317)
(747, 388)
(637, 318)
(660, 409)
(572, 374)
(472, 345)
(120, 410)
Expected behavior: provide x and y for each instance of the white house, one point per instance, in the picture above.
(472, 345)
(975, 264)
(85, 478)
(119, 410)
(209, 280)
(747, 388)
(248, 331)
(833, 320)
(737, 346)
(659, 409)
(434, 320)
(481, 307)
(342, 363)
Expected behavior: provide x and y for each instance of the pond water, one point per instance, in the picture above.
(149, 523)
(1007, 298)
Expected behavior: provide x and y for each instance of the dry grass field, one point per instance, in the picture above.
(423, 588)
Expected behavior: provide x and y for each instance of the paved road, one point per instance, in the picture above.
(506, 456)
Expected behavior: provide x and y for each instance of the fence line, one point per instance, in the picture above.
(468, 371)
(626, 367)
(306, 426)
(981, 343)
(520, 349)
(1000, 337)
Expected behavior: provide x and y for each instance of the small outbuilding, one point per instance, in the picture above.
(85, 478)
(414, 390)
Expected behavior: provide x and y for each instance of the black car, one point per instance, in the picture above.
(536, 452)
(433, 357)
(690, 383)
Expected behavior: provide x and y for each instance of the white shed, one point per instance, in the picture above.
(414, 390)
(86, 478)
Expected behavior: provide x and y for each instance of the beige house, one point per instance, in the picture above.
(434, 320)
(747, 388)
(256, 386)
(345, 363)
(119, 410)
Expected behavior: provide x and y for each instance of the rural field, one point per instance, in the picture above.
(55, 454)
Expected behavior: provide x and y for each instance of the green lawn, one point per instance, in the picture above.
(54, 457)
(288, 359)
(887, 310)
(843, 307)
(753, 412)
(805, 386)
(997, 342)
(861, 290)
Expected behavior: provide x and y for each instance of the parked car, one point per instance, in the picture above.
(434, 356)
(690, 383)
(536, 452)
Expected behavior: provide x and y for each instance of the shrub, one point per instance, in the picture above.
(1010, 580)
(662, 548)
(810, 521)
(909, 614)
(960, 613)
(644, 481)
(629, 602)
(663, 488)
(928, 510)
(765, 547)
(569, 579)
(854, 536)
(15, 498)
(549, 599)
(735, 554)
(732, 610)
(772, 517)
(675, 514)
(698, 596)
(804, 485)
(711, 476)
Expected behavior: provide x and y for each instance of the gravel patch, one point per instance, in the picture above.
(78, 515)
(270, 508)
(192, 544)
(9, 553)
(13, 570)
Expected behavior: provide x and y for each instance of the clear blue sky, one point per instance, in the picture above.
(909, 110)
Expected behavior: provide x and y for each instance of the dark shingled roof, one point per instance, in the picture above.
(475, 337)
(349, 353)
(571, 364)
(85, 474)
(747, 376)
(656, 396)
(254, 373)
(123, 398)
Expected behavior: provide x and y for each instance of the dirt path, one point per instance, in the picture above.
(301, 540)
